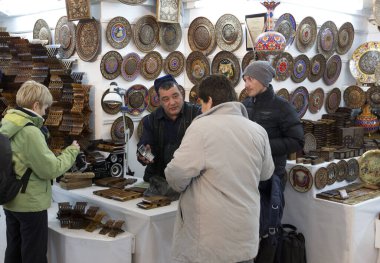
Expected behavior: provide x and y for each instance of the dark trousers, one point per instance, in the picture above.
(27, 234)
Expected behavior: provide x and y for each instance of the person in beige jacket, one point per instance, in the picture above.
(217, 169)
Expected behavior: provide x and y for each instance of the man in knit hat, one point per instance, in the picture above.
(279, 118)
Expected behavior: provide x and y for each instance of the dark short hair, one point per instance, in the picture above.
(167, 85)
(219, 88)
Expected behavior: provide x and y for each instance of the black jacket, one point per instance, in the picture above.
(279, 118)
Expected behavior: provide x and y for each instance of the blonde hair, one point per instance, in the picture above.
(31, 92)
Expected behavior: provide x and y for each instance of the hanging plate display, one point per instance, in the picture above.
(140, 128)
(353, 170)
(243, 95)
(301, 68)
(317, 68)
(130, 67)
(354, 97)
(65, 36)
(342, 170)
(333, 100)
(170, 36)
(300, 178)
(286, 25)
(300, 100)
(345, 38)
(365, 60)
(154, 101)
(321, 178)
(283, 64)
(332, 174)
(110, 108)
(197, 67)
(136, 99)
(182, 90)
(369, 167)
(306, 34)
(310, 143)
(193, 95)
(228, 32)
(327, 38)
(117, 128)
(201, 35)
(247, 59)
(88, 39)
(151, 65)
(227, 64)
(145, 33)
(132, 2)
(174, 63)
(119, 32)
(316, 100)
(283, 93)
(333, 68)
(42, 31)
(110, 66)
(373, 96)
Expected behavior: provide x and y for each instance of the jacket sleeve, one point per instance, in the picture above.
(41, 159)
(188, 161)
(268, 165)
(292, 135)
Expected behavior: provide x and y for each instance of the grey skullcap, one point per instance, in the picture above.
(260, 70)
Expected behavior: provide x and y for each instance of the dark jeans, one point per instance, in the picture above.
(27, 234)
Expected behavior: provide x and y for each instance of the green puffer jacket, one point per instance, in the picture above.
(30, 150)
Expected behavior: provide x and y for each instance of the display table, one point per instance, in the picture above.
(153, 229)
(334, 232)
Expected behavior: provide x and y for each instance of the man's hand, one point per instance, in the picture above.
(142, 159)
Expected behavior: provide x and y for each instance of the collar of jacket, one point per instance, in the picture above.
(227, 108)
(266, 95)
(160, 113)
(20, 117)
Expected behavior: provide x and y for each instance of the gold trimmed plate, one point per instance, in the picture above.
(342, 170)
(333, 100)
(327, 38)
(300, 100)
(88, 39)
(118, 32)
(136, 99)
(373, 96)
(286, 25)
(316, 99)
(151, 65)
(353, 170)
(332, 174)
(283, 64)
(65, 37)
(117, 128)
(345, 38)
(306, 34)
(301, 68)
(154, 101)
(110, 66)
(145, 33)
(354, 97)
(300, 178)
(130, 67)
(247, 59)
(227, 64)
(228, 32)
(201, 35)
(197, 67)
(42, 31)
(320, 178)
(174, 63)
(317, 68)
(283, 93)
(170, 36)
(365, 60)
(369, 167)
(333, 68)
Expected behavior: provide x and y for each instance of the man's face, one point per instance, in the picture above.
(171, 101)
(253, 86)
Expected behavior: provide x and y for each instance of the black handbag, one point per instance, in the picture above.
(291, 247)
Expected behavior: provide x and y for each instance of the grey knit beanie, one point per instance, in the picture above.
(260, 70)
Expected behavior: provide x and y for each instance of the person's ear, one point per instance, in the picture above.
(36, 106)
(209, 102)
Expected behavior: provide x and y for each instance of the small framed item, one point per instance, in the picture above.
(78, 10)
(145, 153)
(168, 11)
(254, 26)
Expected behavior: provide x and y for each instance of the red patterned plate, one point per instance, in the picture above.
(300, 178)
(283, 64)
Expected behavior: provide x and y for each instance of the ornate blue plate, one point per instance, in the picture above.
(301, 68)
(118, 32)
(300, 100)
(136, 99)
(286, 25)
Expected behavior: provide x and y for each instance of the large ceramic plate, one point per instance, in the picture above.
(130, 67)
(174, 63)
(227, 64)
(286, 25)
(300, 178)
(201, 35)
(110, 108)
(136, 99)
(306, 34)
(327, 38)
(228, 32)
(247, 59)
(151, 65)
(110, 66)
(345, 38)
(197, 67)
(88, 39)
(333, 100)
(145, 33)
(373, 96)
(332, 174)
(301, 68)
(42, 31)
(353, 170)
(283, 64)
(117, 128)
(369, 167)
(354, 97)
(193, 95)
(154, 101)
(118, 32)
(316, 99)
(300, 100)
(170, 36)
(317, 68)
(365, 60)
(65, 36)
(333, 68)
(342, 170)
(320, 178)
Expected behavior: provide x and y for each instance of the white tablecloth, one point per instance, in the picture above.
(334, 232)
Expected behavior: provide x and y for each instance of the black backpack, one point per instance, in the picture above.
(9, 185)
(292, 245)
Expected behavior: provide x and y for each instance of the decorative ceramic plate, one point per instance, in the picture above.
(140, 128)
(227, 64)
(182, 90)
(300, 178)
(145, 33)
(333, 68)
(110, 108)
(151, 65)
(373, 96)
(65, 36)
(354, 97)
(42, 31)
(301, 68)
(306, 34)
(154, 101)
(283, 93)
(369, 167)
(310, 143)
(353, 170)
(132, 2)
(283, 64)
(197, 67)
(174, 63)
(317, 67)
(201, 35)
(193, 95)
(110, 66)
(136, 99)
(247, 59)
(228, 32)
(170, 36)
(316, 99)
(332, 174)
(327, 38)
(286, 25)
(320, 178)
(88, 39)
(342, 170)
(333, 100)
(345, 38)
(300, 100)
(366, 58)
(119, 32)
(130, 67)
(117, 128)
(243, 95)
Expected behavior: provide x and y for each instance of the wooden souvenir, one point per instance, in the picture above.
(168, 11)
(145, 33)
(228, 32)
(170, 36)
(88, 39)
(78, 10)
(201, 36)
